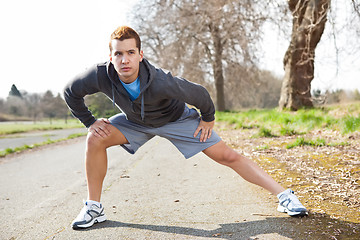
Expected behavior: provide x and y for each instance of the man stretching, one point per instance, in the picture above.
(152, 103)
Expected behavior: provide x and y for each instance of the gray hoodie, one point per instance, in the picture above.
(162, 97)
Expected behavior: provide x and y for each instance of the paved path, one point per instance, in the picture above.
(154, 194)
(29, 138)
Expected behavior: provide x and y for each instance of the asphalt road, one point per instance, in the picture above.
(154, 194)
(29, 138)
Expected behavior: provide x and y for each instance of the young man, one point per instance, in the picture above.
(153, 103)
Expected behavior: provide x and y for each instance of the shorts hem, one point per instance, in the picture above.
(187, 156)
(129, 147)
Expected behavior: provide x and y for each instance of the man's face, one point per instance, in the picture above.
(125, 57)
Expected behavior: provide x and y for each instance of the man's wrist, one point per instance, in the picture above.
(208, 118)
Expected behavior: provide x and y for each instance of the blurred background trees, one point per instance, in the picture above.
(21, 105)
(218, 43)
(203, 41)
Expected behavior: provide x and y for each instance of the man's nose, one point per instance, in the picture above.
(124, 59)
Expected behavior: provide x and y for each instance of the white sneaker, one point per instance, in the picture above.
(290, 204)
(88, 216)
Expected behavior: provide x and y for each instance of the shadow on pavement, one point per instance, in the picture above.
(316, 226)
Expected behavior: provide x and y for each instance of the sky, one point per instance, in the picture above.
(332, 71)
(45, 43)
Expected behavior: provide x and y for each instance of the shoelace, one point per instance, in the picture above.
(285, 202)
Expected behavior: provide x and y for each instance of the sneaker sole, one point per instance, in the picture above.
(292, 214)
(92, 222)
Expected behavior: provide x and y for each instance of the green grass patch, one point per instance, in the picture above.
(76, 135)
(350, 124)
(272, 122)
(319, 142)
(288, 131)
(8, 151)
(7, 128)
(338, 144)
(263, 147)
(265, 132)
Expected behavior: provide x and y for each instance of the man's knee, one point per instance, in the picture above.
(93, 141)
(229, 157)
(222, 154)
(115, 137)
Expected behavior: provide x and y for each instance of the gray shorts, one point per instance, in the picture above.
(180, 133)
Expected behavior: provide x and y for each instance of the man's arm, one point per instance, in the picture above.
(193, 94)
(76, 90)
(199, 97)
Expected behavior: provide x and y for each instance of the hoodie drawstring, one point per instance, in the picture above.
(113, 96)
(142, 102)
(142, 108)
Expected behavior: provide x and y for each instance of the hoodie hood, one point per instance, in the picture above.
(146, 76)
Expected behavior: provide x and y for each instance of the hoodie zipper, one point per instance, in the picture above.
(142, 110)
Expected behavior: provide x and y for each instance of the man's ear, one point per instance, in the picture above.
(141, 55)
(110, 57)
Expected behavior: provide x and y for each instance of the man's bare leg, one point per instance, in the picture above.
(96, 159)
(246, 168)
(101, 136)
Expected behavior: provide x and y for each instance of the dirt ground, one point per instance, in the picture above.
(326, 179)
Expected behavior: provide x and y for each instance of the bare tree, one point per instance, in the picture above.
(33, 102)
(198, 38)
(356, 6)
(61, 108)
(203, 40)
(250, 88)
(16, 106)
(309, 18)
(47, 105)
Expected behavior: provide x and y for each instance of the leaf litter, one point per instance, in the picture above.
(325, 178)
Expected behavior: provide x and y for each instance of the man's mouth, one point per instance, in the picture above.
(126, 68)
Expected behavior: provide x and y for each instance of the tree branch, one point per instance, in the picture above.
(356, 7)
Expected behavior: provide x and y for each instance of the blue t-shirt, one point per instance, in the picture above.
(133, 89)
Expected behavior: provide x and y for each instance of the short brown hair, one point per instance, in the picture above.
(125, 32)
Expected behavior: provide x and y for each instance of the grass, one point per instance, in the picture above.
(7, 128)
(265, 132)
(8, 151)
(271, 122)
(318, 160)
(319, 142)
(351, 124)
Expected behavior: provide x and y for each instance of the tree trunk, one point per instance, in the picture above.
(309, 18)
(218, 68)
